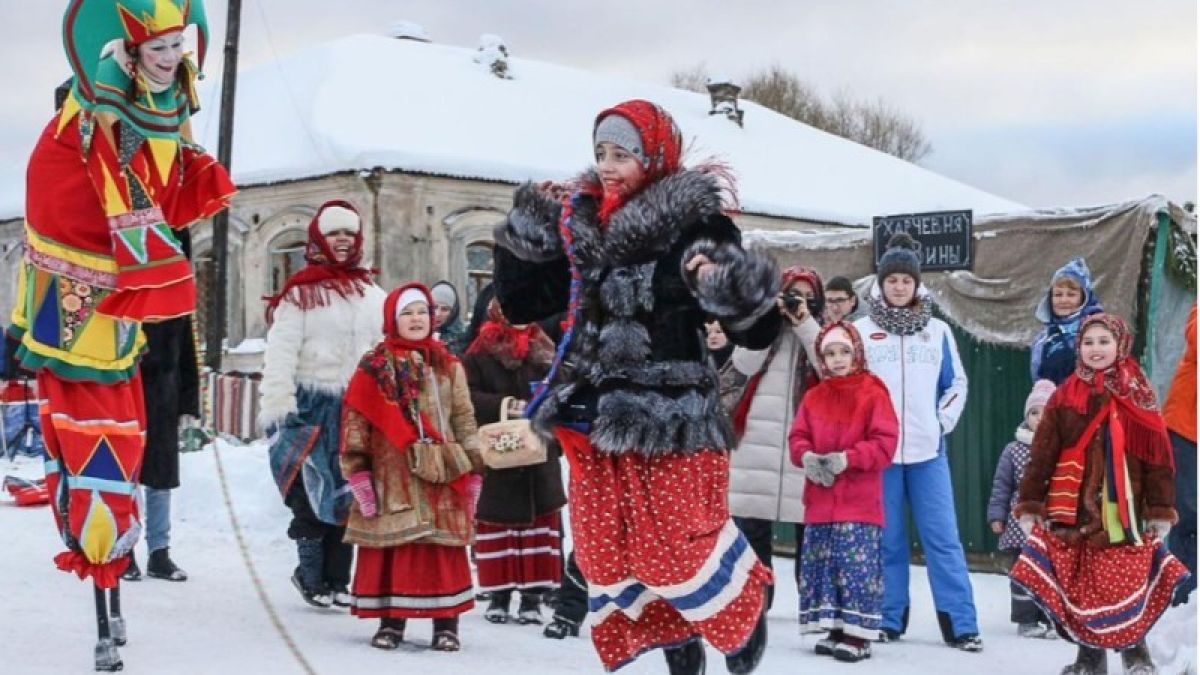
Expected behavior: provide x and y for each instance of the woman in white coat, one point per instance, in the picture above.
(764, 486)
(328, 315)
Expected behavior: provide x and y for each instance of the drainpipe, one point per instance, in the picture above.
(373, 179)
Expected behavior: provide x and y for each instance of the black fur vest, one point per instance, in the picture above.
(638, 370)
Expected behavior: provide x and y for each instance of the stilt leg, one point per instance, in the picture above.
(107, 658)
(116, 622)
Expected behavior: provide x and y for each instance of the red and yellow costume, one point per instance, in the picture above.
(110, 178)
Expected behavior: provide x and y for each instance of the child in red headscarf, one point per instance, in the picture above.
(640, 253)
(844, 435)
(1097, 502)
(408, 445)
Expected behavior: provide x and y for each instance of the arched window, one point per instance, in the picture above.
(287, 257)
(479, 270)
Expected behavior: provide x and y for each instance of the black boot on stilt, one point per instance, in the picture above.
(746, 660)
(116, 622)
(107, 658)
(685, 660)
(307, 577)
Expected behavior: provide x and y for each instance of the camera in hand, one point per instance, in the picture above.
(793, 299)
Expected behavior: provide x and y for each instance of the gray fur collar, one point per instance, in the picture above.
(643, 229)
(1024, 434)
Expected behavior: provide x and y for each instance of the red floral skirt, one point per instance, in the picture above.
(519, 558)
(1107, 598)
(664, 562)
(413, 581)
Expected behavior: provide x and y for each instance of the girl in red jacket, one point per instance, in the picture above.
(844, 435)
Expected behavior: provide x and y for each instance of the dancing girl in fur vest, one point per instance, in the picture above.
(639, 250)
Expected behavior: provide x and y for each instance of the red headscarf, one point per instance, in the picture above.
(1131, 392)
(509, 345)
(663, 144)
(387, 385)
(833, 399)
(310, 287)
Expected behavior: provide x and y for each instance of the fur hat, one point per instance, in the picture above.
(1042, 390)
(617, 129)
(409, 296)
(900, 258)
(332, 218)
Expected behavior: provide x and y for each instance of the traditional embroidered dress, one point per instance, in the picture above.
(111, 176)
(636, 405)
(1101, 464)
(517, 542)
(412, 556)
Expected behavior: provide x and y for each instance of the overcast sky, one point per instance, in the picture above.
(1064, 103)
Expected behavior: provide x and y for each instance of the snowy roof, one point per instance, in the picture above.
(368, 101)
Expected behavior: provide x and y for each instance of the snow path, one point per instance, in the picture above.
(214, 623)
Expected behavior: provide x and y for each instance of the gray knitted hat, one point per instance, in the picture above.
(900, 257)
(619, 130)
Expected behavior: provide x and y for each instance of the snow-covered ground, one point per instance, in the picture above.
(214, 623)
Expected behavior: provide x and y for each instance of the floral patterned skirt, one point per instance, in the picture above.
(841, 579)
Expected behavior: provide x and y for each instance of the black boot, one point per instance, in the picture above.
(685, 660)
(498, 603)
(307, 577)
(529, 612)
(1136, 660)
(160, 566)
(1088, 661)
(746, 660)
(560, 628)
(445, 635)
(133, 572)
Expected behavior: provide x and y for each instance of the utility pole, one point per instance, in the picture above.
(220, 223)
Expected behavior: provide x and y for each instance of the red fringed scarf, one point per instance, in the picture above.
(312, 285)
(509, 345)
(386, 386)
(1135, 426)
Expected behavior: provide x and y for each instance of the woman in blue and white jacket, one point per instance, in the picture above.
(916, 357)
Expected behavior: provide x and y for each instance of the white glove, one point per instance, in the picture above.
(815, 470)
(1028, 520)
(1159, 529)
(835, 462)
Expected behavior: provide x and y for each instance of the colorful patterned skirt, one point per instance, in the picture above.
(413, 581)
(519, 557)
(664, 562)
(841, 579)
(1107, 598)
(95, 437)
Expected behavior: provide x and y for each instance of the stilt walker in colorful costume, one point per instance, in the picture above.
(111, 176)
(640, 251)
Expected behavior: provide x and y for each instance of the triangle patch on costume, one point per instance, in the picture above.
(134, 240)
(47, 321)
(104, 463)
(165, 233)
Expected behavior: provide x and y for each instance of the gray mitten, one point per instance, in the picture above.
(835, 462)
(815, 470)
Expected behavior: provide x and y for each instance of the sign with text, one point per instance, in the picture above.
(943, 238)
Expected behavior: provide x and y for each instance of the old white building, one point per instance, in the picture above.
(428, 142)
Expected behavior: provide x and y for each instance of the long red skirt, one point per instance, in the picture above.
(1107, 598)
(664, 562)
(413, 581)
(510, 557)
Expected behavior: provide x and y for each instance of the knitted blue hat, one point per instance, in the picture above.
(900, 258)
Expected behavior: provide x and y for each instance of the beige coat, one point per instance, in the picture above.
(410, 509)
(763, 482)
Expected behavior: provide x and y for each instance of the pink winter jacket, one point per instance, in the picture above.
(854, 414)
